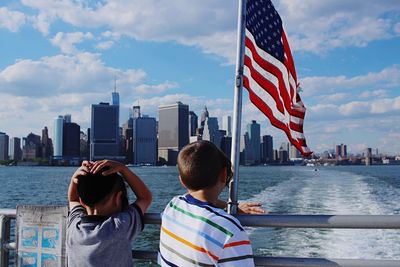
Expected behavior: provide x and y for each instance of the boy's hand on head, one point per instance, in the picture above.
(250, 208)
(82, 170)
(114, 166)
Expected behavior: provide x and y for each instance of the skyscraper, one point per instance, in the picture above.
(115, 95)
(211, 131)
(71, 140)
(267, 151)
(136, 112)
(341, 151)
(15, 149)
(253, 129)
(58, 136)
(104, 133)
(31, 147)
(4, 140)
(246, 150)
(67, 118)
(46, 144)
(193, 123)
(294, 153)
(144, 140)
(173, 131)
(227, 124)
(203, 117)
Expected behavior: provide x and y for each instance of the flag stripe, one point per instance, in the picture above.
(262, 60)
(269, 72)
(279, 119)
(299, 142)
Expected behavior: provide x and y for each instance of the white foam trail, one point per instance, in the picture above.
(329, 191)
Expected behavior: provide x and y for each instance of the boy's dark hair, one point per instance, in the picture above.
(200, 164)
(96, 188)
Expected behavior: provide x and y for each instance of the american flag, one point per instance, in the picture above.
(269, 72)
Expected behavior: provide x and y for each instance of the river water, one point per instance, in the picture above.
(344, 190)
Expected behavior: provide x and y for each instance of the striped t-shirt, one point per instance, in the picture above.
(196, 233)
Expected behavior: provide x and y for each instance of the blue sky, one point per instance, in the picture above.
(59, 57)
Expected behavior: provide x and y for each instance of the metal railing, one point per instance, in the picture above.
(269, 220)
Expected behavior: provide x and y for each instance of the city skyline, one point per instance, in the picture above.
(244, 131)
(345, 54)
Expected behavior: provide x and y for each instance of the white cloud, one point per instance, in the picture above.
(389, 76)
(42, 22)
(333, 98)
(67, 41)
(83, 72)
(155, 89)
(376, 93)
(105, 45)
(11, 20)
(313, 26)
(396, 28)
(354, 108)
(319, 26)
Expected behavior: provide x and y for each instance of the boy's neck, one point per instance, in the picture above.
(205, 195)
(96, 211)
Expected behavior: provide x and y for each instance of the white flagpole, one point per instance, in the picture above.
(237, 109)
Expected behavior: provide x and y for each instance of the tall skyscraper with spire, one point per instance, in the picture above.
(115, 94)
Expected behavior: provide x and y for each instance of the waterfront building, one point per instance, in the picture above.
(285, 146)
(83, 145)
(246, 150)
(226, 145)
(4, 140)
(341, 151)
(46, 144)
(115, 98)
(67, 118)
(71, 140)
(173, 131)
(15, 149)
(136, 112)
(283, 154)
(193, 123)
(31, 147)
(294, 153)
(203, 117)
(267, 149)
(194, 138)
(58, 136)
(368, 156)
(253, 130)
(211, 131)
(104, 132)
(144, 141)
(227, 124)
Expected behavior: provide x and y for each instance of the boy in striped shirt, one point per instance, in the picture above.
(195, 231)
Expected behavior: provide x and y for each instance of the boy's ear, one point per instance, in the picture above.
(81, 202)
(117, 198)
(223, 176)
(182, 183)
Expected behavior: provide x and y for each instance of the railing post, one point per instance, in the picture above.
(4, 237)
